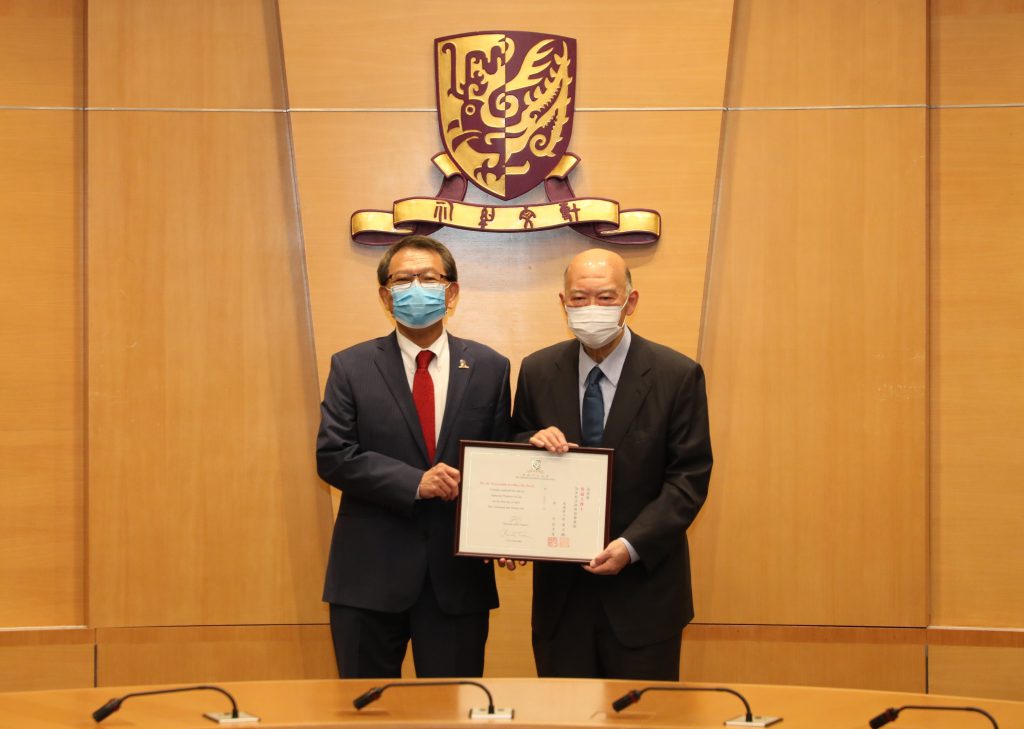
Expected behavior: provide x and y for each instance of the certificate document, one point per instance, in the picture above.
(519, 501)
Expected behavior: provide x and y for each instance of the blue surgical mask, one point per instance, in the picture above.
(418, 306)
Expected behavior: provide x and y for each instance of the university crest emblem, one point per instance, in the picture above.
(505, 104)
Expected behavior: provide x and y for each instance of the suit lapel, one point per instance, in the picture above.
(460, 370)
(633, 386)
(389, 363)
(565, 391)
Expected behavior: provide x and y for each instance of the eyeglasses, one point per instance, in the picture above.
(427, 278)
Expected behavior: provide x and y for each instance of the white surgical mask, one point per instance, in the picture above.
(595, 326)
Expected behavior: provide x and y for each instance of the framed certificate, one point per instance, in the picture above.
(525, 502)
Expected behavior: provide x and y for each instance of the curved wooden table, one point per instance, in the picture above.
(537, 703)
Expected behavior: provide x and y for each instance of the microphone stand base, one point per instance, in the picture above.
(741, 720)
(224, 717)
(503, 714)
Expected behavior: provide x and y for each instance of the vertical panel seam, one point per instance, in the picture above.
(84, 366)
(713, 227)
(928, 379)
(296, 198)
(927, 675)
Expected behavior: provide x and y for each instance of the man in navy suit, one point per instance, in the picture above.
(394, 411)
(621, 615)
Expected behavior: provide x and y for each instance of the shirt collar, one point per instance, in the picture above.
(611, 367)
(410, 349)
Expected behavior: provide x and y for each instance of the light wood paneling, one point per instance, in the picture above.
(41, 52)
(42, 544)
(35, 660)
(204, 505)
(977, 346)
(215, 653)
(41, 378)
(973, 671)
(814, 345)
(976, 663)
(509, 649)
(983, 638)
(380, 54)
(977, 51)
(660, 160)
(838, 52)
(40, 264)
(890, 659)
(186, 53)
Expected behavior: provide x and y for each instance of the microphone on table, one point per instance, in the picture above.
(226, 717)
(368, 697)
(747, 719)
(890, 714)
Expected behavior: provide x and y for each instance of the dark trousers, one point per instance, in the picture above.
(372, 644)
(584, 644)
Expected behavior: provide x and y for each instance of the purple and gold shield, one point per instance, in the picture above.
(505, 102)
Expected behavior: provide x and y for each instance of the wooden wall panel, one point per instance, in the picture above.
(127, 656)
(186, 53)
(977, 51)
(41, 375)
(890, 659)
(509, 647)
(204, 504)
(814, 344)
(837, 52)
(977, 299)
(348, 161)
(41, 52)
(974, 671)
(976, 663)
(35, 660)
(380, 54)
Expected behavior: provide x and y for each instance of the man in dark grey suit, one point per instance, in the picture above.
(622, 615)
(393, 413)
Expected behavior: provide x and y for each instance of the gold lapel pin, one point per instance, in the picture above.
(463, 365)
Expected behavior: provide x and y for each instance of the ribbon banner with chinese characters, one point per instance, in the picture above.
(505, 109)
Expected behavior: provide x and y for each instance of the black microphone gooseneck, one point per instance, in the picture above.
(633, 696)
(114, 704)
(373, 694)
(890, 714)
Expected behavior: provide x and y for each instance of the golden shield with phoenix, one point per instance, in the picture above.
(505, 103)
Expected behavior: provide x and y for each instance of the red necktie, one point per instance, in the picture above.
(423, 396)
